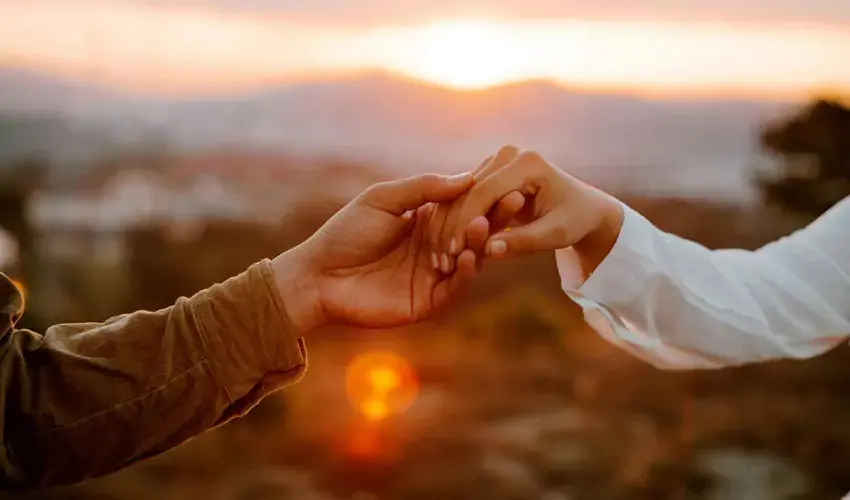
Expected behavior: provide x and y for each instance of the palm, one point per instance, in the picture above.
(377, 272)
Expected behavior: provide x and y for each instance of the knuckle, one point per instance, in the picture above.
(508, 151)
(428, 180)
(531, 157)
(535, 165)
(373, 191)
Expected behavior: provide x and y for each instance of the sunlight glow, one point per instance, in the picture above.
(465, 54)
(374, 409)
(191, 49)
(379, 384)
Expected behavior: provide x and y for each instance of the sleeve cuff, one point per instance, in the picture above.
(608, 295)
(248, 334)
(620, 274)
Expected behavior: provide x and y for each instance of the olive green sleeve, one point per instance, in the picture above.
(83, 400)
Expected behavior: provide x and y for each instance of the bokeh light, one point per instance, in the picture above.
(379, 384)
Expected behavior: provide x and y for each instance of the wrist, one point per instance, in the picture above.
(295, 282)
(597, 243)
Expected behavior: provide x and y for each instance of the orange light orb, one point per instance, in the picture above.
(379, 384)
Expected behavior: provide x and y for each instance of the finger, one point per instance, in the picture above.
(397, 197)
(466, 271)
(435, 227)
(476, 235)
(466, 268)
(543, 234)
(482, 166)
(438, 260)
(506, 210)
(409, 222)
(503, 157)
(519, 175)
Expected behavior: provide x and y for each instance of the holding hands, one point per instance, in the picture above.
(369, 265)
(401, 249)
(547, 208)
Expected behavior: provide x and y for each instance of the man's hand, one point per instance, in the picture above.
(370, 264)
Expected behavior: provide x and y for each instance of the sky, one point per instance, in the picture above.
(754, 48)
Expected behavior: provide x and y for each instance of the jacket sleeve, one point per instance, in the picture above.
(83, 400)
(678, 304)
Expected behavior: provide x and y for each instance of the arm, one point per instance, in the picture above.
(84, 400)
(87, 399)
(666, 299)
(677, 304)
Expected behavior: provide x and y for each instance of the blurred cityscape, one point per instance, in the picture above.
(114, 199)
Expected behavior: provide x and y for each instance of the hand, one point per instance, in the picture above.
(497, 218)
(559, 211)
(369, 264)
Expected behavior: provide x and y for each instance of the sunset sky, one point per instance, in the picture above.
(770, 48)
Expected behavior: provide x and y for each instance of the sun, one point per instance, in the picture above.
(465, 54)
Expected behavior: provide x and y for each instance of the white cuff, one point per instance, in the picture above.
(616, 285)
(620, 274)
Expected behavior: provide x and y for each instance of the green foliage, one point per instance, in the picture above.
(813, 149)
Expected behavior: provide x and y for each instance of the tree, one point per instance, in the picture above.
(812, 149)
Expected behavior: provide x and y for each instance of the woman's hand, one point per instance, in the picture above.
(498, 217)
(558, 211)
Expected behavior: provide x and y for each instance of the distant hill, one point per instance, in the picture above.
(696, 147)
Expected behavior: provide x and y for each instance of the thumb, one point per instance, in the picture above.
(540, 235)
(398, 197)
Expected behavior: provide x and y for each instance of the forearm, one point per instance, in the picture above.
(85, 400)
(678, 304)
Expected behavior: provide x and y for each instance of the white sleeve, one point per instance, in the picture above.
(678, 304)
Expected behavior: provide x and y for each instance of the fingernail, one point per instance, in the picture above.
(445, 263)
(435, 262)
(497, 248)
(460, 178)
(453, 246)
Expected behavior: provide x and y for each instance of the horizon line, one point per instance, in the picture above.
(684, 93)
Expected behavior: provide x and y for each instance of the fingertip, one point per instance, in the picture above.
(497, 248)
(478, 224)
(514, 201)
(452, 244)
(445, 264)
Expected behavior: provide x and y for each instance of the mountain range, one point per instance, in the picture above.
(697, 147)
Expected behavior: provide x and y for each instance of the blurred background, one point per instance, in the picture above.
(151, 148)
